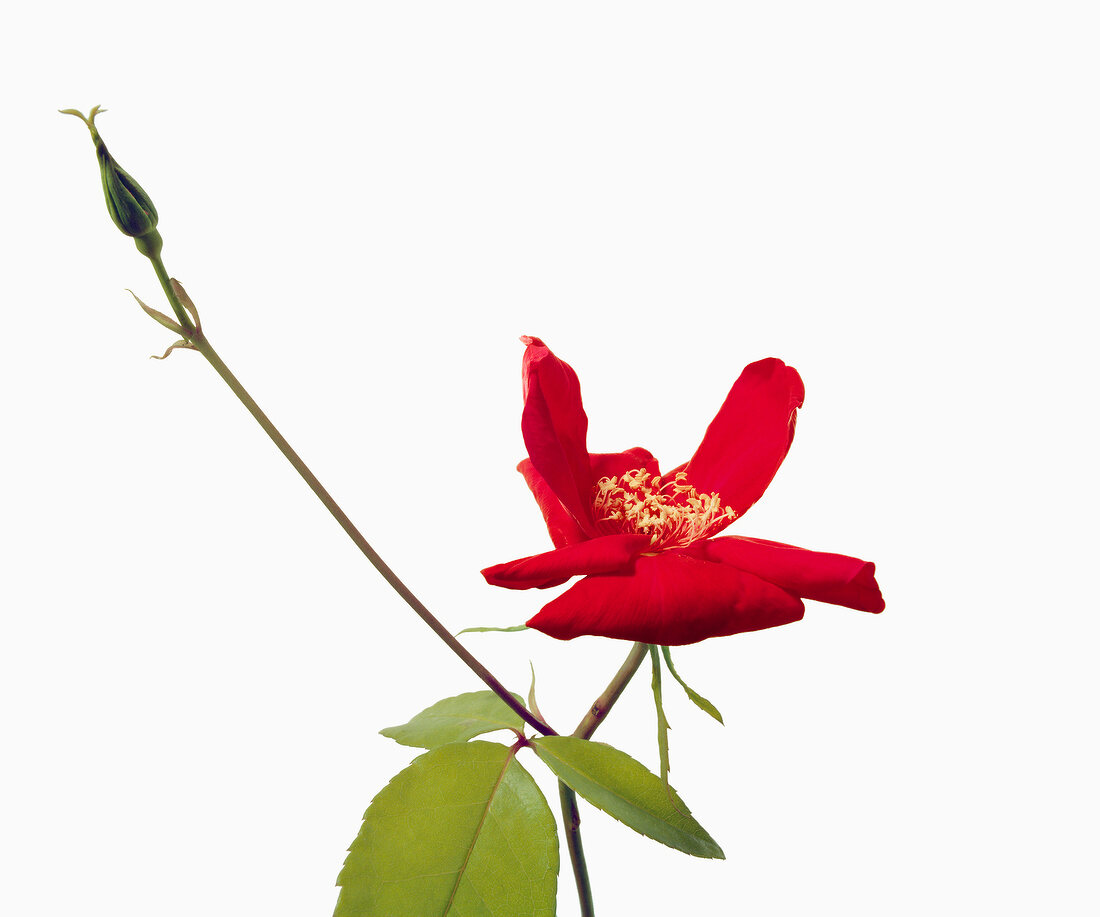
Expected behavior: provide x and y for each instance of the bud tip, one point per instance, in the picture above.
(88, 119)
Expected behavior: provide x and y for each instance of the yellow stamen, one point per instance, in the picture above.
(673, 513)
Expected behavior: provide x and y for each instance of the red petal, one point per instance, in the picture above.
(834, 578)
(599, 555)
(669, 599)
(560, 523)
(555, 429)
(747, 441)
(614, 464)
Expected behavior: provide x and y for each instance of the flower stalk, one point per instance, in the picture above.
(603, 704)
(571, 818)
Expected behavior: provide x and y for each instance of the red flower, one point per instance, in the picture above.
(644, 542)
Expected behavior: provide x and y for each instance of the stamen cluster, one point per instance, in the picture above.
(672, 513)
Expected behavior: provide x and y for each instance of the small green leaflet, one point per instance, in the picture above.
(457, 719)
(532, 704)
(701, 702)
(613, 781)
(662, 721)
(515, 628)
(463, 831)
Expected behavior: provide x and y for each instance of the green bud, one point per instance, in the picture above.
(127, 202)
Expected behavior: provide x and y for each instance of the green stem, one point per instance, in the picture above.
(198, 340)
(177, 307)
(615, 687)
(571, 818)
(202, 345)
(571, 821)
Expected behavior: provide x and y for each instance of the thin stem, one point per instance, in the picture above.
(202, 345)
(615, 687)
(571, 817)
(177, 307)
(198, 340)
(571, 820)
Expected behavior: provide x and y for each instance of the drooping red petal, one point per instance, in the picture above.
(747, 441)
(560, 523)
(614, 464)
(833, 578)
(669, 599)
(598, 555)
(555, 429)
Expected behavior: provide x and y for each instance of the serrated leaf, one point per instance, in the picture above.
(463, 831)
(701, 702)
(457, 719)
(624, 788)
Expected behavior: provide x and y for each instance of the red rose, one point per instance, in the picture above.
(645, 542)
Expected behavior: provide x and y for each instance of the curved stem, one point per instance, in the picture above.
(202, 345)
(600, 707)
(198, 340)
(571, 818)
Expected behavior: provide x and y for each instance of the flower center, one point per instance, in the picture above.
(672, 513)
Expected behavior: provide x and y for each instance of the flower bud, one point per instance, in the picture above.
(127, 202)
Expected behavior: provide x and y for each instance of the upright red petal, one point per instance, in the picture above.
(833, 578)
(615, 464)
(669, 599)
(555, 429)
(747, 441)
(559, 521)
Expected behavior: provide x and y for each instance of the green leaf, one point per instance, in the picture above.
(701, 702)
(662, 721)
(613, 781)
(463, 831)
(457, 719)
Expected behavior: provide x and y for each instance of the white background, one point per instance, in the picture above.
(370, 204)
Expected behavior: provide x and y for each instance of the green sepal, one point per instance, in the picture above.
(624, 788)
(457, 719)
(181, 344)
(701, 702)
(185, 301)
(515, 628)
(662, 720)
(532, 704)
(464, 830)
(156, 316)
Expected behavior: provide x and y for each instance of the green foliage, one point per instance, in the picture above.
(463, 831)
(457, 719)
(613, 781)
(662, 720)
(701, 702)
(533, 704)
